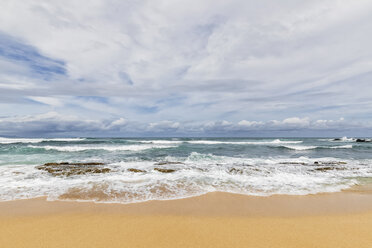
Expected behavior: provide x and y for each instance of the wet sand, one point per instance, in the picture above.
(212, 220)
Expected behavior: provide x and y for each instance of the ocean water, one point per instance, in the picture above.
(159, 169)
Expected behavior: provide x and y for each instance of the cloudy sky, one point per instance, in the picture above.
(185, 68)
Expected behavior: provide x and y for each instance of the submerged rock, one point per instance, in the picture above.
(67, 163)
(337, 162)
(164, 170)
(73, 169)
(166, 162)
(330, 163)
(328, 168)
(136, 170)
(293, 163)
(236, 171)
(324, 168)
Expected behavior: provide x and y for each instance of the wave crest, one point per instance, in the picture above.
(303, 148)
(215, 142)
(106, 148)
(35, 140)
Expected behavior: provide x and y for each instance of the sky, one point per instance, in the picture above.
(109, 68)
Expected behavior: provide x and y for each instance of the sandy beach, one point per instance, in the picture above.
(185, 124)
(212, 220)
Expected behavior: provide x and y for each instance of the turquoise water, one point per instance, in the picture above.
(294, 166)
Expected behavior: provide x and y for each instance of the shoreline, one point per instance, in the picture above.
(354, 200)
(216, 219)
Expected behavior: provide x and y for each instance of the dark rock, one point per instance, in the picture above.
(164, 170)
(135, 170)
(324, 168)
(53, 164)
(166, 162)
(335, 162)
(361, 140)
(327, 168)
(236, 171)
(337, 139)
(293, 163)
(72, 169)
(67, 163)
(92, 163)
(330, 163)
(101, 170)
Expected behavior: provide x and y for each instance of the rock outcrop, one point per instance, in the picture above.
(167, 162)
(136, 170)
(72, 169)
(164, 170)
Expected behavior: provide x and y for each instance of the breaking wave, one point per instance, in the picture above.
(127, 170)
(214, 142)
(35, 140)
(303, 148)
(180, 177)
(100, 147)
(160, 141)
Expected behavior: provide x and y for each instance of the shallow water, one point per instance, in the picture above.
(148, 169)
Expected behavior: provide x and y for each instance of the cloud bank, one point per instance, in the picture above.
(185, 68)
(53, 124)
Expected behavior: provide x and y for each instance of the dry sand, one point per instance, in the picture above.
(213, 220)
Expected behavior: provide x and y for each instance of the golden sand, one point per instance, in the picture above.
(213, 220)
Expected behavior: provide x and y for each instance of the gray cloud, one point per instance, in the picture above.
(164, 62)
(54, 124)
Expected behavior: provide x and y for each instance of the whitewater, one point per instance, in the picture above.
(125, 170)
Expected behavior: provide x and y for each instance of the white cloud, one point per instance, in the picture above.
(52, 101)
(119, 122)
(297, 121)
(191, 62)
(163, 126)
(249, 124)
(53, 123)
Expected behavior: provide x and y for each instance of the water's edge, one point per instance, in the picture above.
(137, 170)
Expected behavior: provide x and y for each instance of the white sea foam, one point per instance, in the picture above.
(111, 148)
(342, 147)
(194, 175)
(301, 148)
(35, 140)
(159, 141)
(215, 142)
(346, 139)
(343, 139)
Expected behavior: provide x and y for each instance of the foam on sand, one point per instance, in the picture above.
(176, 177)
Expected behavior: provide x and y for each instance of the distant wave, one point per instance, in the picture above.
(302, 148)
(159, 141)
(214, 142)
(342, 147)
(106, 148)
(346, 139)
(35, 140)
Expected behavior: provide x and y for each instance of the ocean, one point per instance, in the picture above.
(126, 170)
